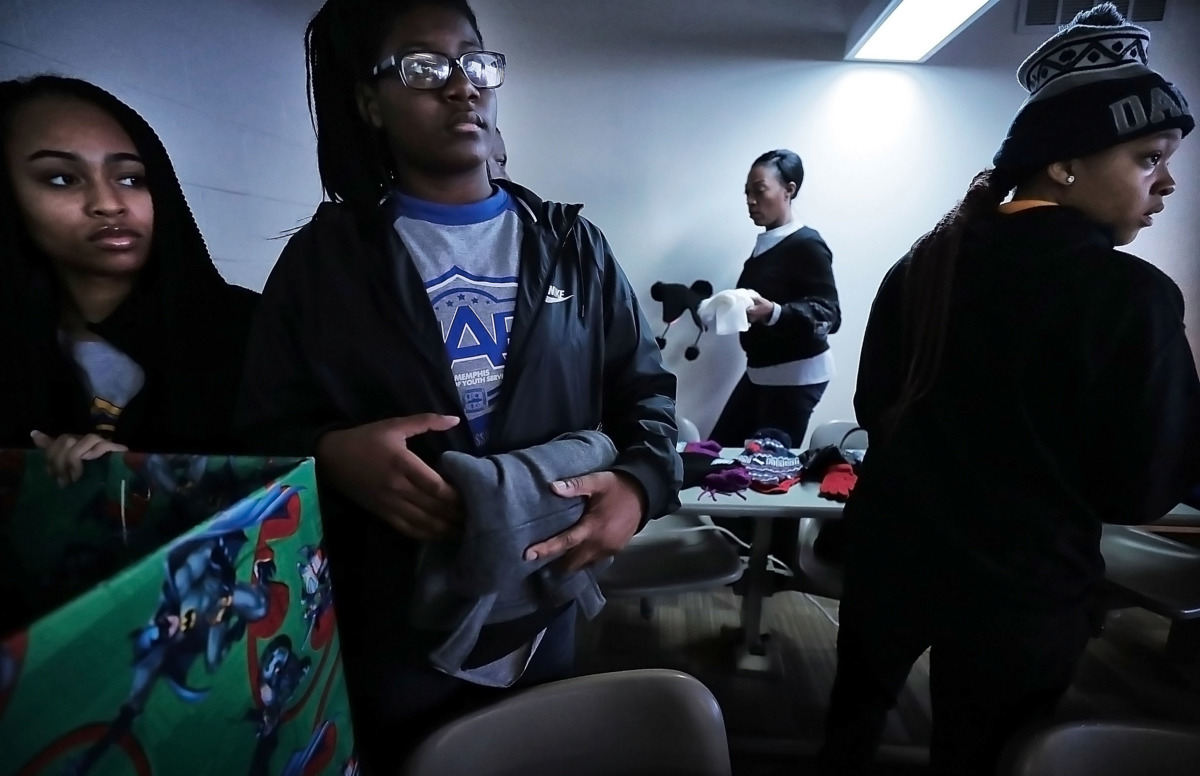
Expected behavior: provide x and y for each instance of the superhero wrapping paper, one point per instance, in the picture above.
(168, 615)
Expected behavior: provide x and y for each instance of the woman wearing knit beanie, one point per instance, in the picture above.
(1023, 382)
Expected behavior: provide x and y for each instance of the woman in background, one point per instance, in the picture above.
(788, 361)
(1023, 382)
(116, 330)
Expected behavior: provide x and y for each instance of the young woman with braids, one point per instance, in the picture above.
(1023, 382)
(428, 308)
(116, 330)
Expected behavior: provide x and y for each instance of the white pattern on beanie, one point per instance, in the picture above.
(1099, 45)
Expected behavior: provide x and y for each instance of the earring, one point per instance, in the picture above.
(1070, 179)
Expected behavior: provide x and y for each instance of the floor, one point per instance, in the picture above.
(774, 719)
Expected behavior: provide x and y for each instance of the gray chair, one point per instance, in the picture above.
(845, 433)
(687, 430)
(671, 555)
(814, 574)
(629, 723)
(1155, 573)
(1109, 749)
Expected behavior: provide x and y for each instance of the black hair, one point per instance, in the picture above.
(787, 165)
(928, 280)
(341, 47)
(170, 295)
(175, 232)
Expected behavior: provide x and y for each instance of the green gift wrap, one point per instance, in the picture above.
(168, 614)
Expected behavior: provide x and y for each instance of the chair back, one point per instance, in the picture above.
(687, 430)
(1110, 749)
(634, 723)
(844, 433)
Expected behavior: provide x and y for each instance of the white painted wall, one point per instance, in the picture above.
(658, 145)
(649, 120)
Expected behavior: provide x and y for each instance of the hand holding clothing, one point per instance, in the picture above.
(616, 505)
(372, 465)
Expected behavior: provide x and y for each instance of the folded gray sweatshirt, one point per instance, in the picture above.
(483, 578)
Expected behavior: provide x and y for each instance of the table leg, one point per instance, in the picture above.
(756, 588)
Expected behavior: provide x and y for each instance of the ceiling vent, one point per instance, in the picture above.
(1042, 15)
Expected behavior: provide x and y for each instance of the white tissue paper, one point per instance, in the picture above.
(725, 311)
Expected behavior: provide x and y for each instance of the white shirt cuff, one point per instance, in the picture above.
(774, 319)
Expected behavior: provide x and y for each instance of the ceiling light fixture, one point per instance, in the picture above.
(910, 30)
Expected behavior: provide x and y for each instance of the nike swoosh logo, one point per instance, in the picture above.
(557, 299)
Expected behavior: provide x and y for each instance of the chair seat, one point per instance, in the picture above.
(1111, 749)
(1152, 571)
(816, 575)
(665, 560)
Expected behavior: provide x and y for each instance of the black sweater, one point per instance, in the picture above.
(1067, 397)
(183, 325)
(797, 275)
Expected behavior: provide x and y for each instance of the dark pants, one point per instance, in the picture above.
(397, 706)
(753, 407)
(990, 674)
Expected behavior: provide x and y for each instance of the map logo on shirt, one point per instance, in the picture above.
(475, 314)
(469, 258)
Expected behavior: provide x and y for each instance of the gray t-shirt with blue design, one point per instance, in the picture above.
(468, 256)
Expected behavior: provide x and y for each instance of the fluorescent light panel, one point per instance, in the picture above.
(912, 30)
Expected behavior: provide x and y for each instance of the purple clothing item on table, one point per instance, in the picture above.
(732, 481)
(707, 447)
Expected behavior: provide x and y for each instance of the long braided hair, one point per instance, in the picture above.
(341, 46)
(178, 269)
(928, 281)
(178, 233)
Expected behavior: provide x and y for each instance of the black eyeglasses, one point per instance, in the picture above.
(432, 69)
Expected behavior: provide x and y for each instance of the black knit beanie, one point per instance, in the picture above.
(1090, 88)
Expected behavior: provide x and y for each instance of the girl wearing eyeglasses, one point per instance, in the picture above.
(427, 308)
(116, 329)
